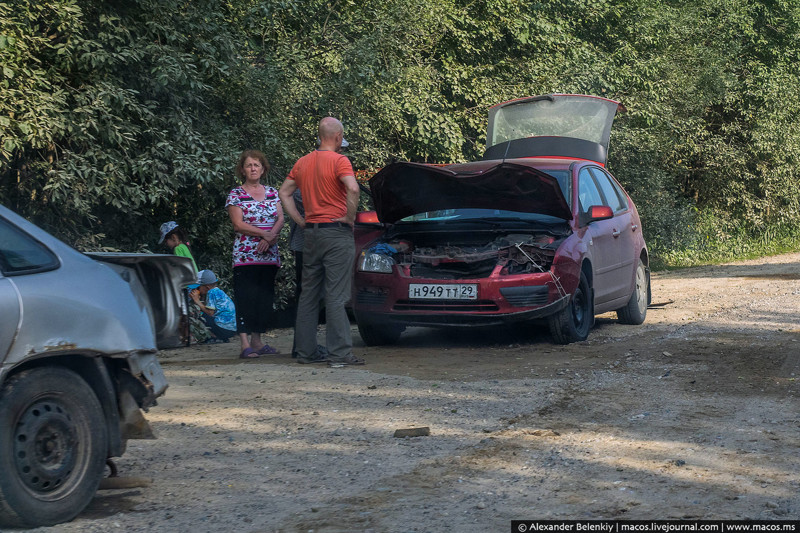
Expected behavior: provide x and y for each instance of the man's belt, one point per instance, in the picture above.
(317, 225)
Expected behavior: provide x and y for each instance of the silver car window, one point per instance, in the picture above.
(22, 254)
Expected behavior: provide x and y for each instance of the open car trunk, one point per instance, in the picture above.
(160, 275)
(573, 126)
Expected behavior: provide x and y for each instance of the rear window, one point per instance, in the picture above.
(22, 254)
(575, 116)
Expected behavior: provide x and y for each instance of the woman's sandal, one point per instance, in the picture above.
(267, 350)
(249, 353)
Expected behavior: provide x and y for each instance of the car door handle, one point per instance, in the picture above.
(615, 233)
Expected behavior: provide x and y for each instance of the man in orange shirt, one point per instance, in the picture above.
(330, 197)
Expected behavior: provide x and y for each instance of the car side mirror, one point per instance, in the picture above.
(599, 212)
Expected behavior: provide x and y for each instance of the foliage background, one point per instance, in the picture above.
(118, 115)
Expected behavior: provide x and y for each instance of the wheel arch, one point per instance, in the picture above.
(96, 373)
(588, 271)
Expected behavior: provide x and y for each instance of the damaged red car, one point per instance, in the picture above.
(536, 231)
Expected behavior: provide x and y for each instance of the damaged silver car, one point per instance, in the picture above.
(79, 335)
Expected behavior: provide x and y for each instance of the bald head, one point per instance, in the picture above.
(329, 127)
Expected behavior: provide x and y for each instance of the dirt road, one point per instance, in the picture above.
(695, 415)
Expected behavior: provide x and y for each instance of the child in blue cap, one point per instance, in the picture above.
(219, 313)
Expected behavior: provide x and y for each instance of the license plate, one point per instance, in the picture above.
(432, 291)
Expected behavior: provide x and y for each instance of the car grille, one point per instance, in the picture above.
(525, 296)
(367, 297)
(455, 269)
(463, 306)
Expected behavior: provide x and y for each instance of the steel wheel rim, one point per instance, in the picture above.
(46, 448)
(641, 288)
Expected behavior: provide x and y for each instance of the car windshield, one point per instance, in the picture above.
(463, 214)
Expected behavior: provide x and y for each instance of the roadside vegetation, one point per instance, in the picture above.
(116, 116)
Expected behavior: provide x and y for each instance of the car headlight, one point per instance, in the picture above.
(371, 262)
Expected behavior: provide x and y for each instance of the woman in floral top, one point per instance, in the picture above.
(257, 218)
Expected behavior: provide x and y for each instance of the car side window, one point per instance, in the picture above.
(22, 254)
(613, 195)
(623, 196)
(588, 193)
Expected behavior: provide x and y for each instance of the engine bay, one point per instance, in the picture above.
(469, 256)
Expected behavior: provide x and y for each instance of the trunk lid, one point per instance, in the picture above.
(554, 125)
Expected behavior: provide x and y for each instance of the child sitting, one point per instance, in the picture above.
(219, 313)
(173, 236)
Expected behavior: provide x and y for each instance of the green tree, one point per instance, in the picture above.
(114, 113)
(116, 116)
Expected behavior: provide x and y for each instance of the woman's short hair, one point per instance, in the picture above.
(255, 154)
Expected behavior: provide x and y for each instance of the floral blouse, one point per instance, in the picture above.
(260, 214)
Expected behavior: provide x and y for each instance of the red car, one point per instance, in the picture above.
(536, 231)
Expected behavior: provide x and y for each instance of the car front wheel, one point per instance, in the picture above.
(53, 447)
(572, 324)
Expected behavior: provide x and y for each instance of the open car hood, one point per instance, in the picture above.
(574, 126)
(403, 189)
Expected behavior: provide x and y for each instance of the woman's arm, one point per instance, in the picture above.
(240, 226)
(274, 232)
(279, 220)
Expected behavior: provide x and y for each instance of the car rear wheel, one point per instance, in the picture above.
(636, 309)
(377, 333)
(572, 324)
(53, 447)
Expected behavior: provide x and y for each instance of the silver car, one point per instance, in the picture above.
(79, 335)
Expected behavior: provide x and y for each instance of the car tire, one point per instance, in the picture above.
(636, 309)
(53, 447)
(378, 334)
(572, 324)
